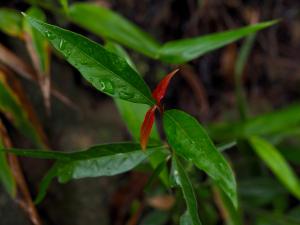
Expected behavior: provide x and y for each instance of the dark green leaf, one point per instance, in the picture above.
(110, 25)
(274, 160)
(155, 218)
(104, 160)
(157, 171)
(188, 139)
(11, 22)
(100, 160)
(181, 51)
(133, 116)
(242, 58)
(46, 181)
(267, 124)
(191, 216)
(6, 176)
(107, 72)
(13, 105)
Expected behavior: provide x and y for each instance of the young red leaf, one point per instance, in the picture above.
(161, 88)
(147, 126)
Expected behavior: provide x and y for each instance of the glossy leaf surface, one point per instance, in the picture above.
(182, 180)
(11, 22)
(189, 140)
(181, 51)
(100, 160)
(106, 71)
(112, 26)
(133, 116)
(277, 164)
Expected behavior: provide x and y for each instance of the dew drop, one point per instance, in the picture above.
(50, 35)
(62, 44)
(106, 86)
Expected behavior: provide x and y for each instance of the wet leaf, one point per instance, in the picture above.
(100, 160)
(277, 164)
(147, 126)
(112, 26)
(181, 51)
(133, 116)
(182, 180)
(106, 71)
(160, 90)
(15, 106)
(11, 22)
(38, 48)
(189, 140)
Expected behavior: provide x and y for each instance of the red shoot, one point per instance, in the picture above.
(160, 90)
(147, 126)
(158, 94)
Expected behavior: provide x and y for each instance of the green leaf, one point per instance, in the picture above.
(64, 4)
(133, 116)
(112, 26)
(6, 176)
(18, 112)
(104, 160)
(46, 181)
(11, 22)
(182, 180)
(242, 58)
(278, 165)
(181, 51)
(189, 140)
(37, 41)
(100, 160)
(106, 71)
(267, 124)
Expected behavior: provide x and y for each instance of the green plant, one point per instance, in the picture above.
(110, 70)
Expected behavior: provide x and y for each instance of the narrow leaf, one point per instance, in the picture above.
(100, 160)
(38, 48)
(6, 176)
(11, 22)
(16, 107)
(147, 126)
(106, 71)
(46, 181)
(160, 90)
(189, 140)
(112, 26)
(182, 179)
(278, 165)
(181, 51)
(267, 124)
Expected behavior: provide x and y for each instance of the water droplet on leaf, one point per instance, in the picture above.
(50, 35)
